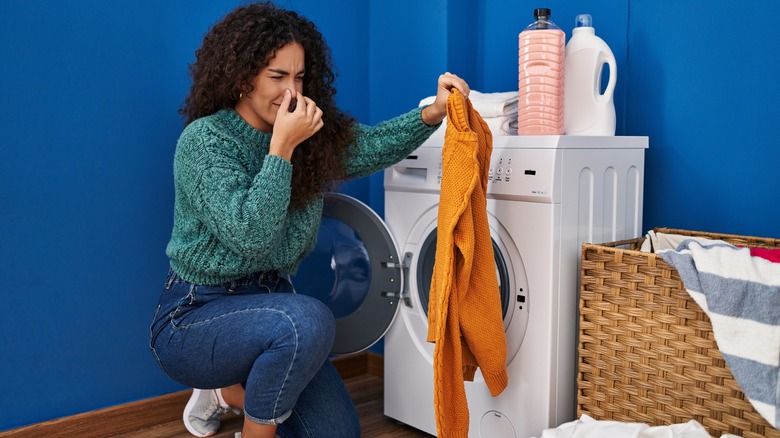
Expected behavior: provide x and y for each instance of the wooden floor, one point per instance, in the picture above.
(160, 417)
(367, 394)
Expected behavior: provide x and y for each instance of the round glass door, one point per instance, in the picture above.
(355, 270)
(428, 260)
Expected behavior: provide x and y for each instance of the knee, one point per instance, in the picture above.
(316, 323)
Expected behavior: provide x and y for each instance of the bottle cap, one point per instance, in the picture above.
(541, 12)
(583, 20)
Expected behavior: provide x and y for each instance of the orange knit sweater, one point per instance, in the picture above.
(464, 313)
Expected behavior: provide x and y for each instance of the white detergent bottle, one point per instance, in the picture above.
(588, 111)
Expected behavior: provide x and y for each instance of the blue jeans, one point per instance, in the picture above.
(257, 332)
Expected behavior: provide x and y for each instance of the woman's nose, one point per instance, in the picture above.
(291, 83)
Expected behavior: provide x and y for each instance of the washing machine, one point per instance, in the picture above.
(546, 195)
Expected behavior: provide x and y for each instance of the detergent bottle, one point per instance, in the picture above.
(541, 67)
(588, 110)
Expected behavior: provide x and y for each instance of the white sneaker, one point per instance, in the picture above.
(238, 435)
(203, 411)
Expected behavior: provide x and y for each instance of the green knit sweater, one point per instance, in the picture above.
(230, 215)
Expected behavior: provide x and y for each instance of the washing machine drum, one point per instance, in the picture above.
(355, 270)
(425, 273)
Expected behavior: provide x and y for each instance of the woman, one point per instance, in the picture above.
(263, 141)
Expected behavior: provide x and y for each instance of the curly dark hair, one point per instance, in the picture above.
(236, 49)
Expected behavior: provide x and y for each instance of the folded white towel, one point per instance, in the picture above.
(506, 125)
(488, 104)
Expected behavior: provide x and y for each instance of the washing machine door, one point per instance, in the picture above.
(355, 270)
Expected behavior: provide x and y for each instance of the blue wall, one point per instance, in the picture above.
(90, 91)
(705, 88)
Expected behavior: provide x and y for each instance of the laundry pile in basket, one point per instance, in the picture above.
(587, 427)
(739, 290)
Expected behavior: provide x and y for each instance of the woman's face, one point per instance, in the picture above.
(286, 70)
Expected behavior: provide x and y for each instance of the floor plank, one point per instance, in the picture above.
(367, 394)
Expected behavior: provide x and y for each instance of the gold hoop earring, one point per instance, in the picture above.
(241, 95)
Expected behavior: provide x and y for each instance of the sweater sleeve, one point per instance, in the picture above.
(378, 147)
(245, 213)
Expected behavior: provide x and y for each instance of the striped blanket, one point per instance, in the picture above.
(740, 293)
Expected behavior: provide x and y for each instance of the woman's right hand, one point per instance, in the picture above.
(436, 112)
(292, 128)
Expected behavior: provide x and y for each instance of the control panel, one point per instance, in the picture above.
(524, 174)
(517, 174)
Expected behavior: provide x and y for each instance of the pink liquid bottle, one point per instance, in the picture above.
(541, 77)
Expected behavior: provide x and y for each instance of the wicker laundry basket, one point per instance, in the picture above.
(646, 349)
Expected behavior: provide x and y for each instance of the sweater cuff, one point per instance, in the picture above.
(278, 169)
(496, 381)
(468, 373)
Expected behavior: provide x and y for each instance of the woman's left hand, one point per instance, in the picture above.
(436, 112)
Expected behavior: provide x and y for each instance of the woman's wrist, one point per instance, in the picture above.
(282, 152)
(430, 117)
